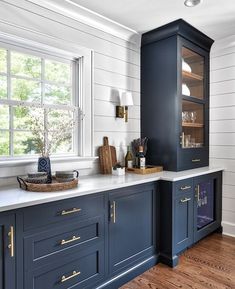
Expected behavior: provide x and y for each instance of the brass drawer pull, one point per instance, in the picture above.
(74, 210)
(185, 188)
(64, 278)
(196, 160)
(185, 200)
(197, 193)
(113, 214)
(74, 238)
(11, 241)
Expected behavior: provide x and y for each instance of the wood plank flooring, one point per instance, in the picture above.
(209, 264)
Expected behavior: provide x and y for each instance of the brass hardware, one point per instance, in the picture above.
(122, 112)
(74, 210)
(74, 274)
(11, 241)
(196, 160)
(113, 214)
(185, 200)
(185, 188)
(74, 238)
(197, 190)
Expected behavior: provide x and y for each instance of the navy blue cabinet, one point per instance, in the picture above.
(190, 210)
(132, 236)
(7, 252)
(175, 96)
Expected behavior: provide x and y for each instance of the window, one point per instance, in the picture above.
(38, 104)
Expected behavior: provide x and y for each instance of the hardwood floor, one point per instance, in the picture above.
(209, 264)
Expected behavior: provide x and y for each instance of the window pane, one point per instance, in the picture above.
(24, 143)
(3, 60)
(25, 65)
(3, 87)
(57, 71)
(4, 143)
(4, 117)
(57, 94)
(60, 120)
(26, 90)
(27, 117)
(61, 145)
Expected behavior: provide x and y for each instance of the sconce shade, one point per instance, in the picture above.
(126, 99)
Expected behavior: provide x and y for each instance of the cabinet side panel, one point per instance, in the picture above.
(159, 103)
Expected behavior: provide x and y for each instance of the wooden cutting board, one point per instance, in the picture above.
(107, 156)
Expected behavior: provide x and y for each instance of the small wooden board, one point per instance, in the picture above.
(147, 170)
(107, 156)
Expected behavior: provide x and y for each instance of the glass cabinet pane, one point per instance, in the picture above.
(192, 124)
(205, 204)
(192, 74)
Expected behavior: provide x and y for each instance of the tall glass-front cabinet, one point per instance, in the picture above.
(175, 96)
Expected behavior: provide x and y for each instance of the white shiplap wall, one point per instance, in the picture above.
(222, 123)
(116, 64)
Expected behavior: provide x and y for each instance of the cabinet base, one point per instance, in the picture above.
(171, 261)
(124, 277)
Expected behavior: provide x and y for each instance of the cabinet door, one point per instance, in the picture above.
(7, 252)
(183, 221)
(131, 235)
(207, 204)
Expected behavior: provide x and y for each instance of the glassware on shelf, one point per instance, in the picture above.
(193, 116)
(185, 116)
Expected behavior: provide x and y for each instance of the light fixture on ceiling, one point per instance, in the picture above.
(192, 3)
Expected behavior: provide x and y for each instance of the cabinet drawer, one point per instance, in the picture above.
(183, 186)
(74, 271)
(79, 208)
(48, 246)
(193, 158)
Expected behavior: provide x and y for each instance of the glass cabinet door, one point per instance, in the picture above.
(193, 99)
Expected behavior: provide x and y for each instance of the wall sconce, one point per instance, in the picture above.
(126, 100)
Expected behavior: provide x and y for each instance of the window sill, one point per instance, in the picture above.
(17, 163)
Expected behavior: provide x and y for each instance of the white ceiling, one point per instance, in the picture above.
(216, 18)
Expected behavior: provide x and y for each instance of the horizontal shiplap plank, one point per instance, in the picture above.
(228, 216)
(222, 87)
(112, 79)
(229, 192)
(222, 126)
(222, 139)
(110, 124)
(222, 74)
(229, 178)
(116, 139)
(222, 113)
(227, 164)
(109, 63)
(105, 108)
(228, 204)
(221, 100)
(222, 152)
(110, 93)
(223, 61)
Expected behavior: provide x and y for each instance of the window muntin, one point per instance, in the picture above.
(34, 87)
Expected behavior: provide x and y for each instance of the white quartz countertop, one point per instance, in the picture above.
(14, 198)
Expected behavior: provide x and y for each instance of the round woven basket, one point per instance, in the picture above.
(53, 187)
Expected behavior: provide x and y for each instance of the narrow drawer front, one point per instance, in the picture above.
(45, 247)
(71, 272)
(183, 186)
(79, 208)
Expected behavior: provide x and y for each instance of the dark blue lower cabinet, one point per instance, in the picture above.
(131, 231)
(7, 252)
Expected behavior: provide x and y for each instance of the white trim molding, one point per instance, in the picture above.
(228, 229)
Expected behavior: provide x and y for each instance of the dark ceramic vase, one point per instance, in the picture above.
(44, 165)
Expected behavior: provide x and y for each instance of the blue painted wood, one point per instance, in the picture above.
(48, 214)
(131, 236)
(8, 270)
(161, 96)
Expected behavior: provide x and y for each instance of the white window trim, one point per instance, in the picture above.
(85, 56)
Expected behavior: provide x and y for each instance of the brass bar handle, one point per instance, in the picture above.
(185, 200)
(11, 241)
(113, 214)
(185, 188)
(74, 210)
(197, 195)
(196, 160)
(73, 239)
(74, 274)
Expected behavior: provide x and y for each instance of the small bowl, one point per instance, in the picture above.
(66, 174)
(37, 174)
(37, 180)
(64, 180)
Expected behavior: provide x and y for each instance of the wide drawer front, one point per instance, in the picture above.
(193, 158)
(79, 208)
(45, 247)
(71, 272)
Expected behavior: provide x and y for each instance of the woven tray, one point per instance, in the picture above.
(145, 171)
(53, 187)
